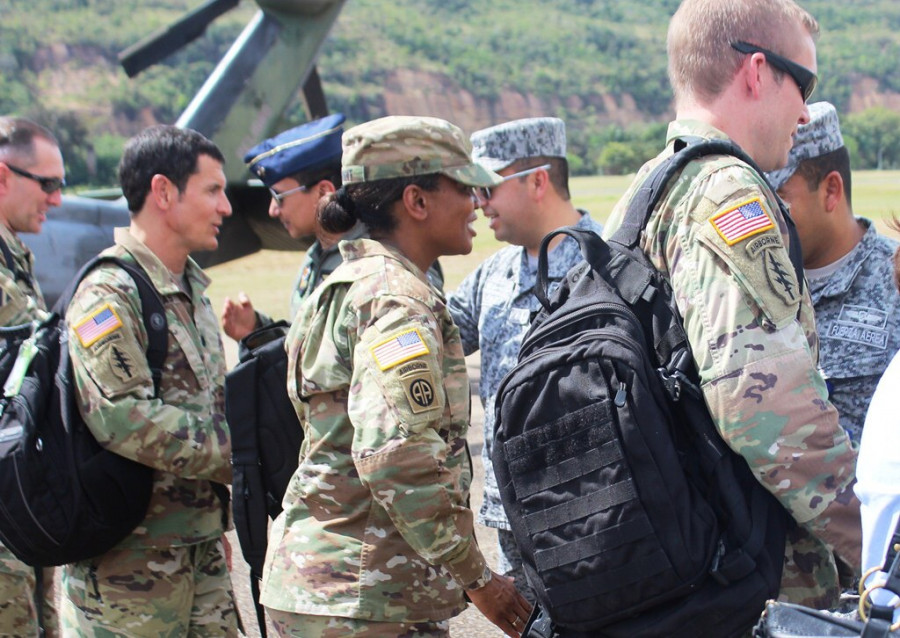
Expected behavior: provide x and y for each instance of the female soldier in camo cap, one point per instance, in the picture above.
(376, 538)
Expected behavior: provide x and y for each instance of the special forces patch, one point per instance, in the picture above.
(97, 325)
(122, 364)
(781, 277)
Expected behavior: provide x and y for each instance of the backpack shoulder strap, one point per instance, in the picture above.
(154, 313)
(688, 149)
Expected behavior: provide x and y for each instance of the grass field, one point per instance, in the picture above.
(267, 276)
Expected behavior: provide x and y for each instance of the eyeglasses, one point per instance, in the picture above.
(279, 197)
(805, 79)
(48, 184)
(484, 193)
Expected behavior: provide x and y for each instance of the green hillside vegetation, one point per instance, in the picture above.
(58, 64)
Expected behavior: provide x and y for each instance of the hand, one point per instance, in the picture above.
(238, 319)
(502, 604)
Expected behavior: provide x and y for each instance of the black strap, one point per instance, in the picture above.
(152, 309)
(651, 191)
(39, 597)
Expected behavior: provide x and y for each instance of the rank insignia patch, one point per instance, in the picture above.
(742, 221)
(97, 325)
(399, 348)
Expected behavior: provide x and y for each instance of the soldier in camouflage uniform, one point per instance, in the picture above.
(376, 538)
(493, 306)
(848, 265)
(31, 176)
(300, 167)
(169, 577)
(719, 238)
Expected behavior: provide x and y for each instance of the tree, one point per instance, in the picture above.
(876, 132)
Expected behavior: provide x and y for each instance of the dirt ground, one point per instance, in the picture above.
(469, 624)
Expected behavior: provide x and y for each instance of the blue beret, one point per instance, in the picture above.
(307, 147)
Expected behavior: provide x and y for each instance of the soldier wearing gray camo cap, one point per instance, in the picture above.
(499, 146)
(847, 263)
(493, 306)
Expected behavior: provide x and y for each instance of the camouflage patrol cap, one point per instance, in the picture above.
(404, 146)
(821, 135)
(499, 146)
(304, 148)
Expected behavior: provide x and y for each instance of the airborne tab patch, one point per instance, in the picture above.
(742, 221)
(399, 348)
(97, 325)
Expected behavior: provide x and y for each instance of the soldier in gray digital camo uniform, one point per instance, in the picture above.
(742, 69)
(169, 577)
(493, 306)
(848, 265)
(376, 538)
(31, 176)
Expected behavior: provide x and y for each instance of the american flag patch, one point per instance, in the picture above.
(742, 221)
(97, 325)
(399, 348)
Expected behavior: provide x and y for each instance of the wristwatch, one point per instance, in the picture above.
(481, 581)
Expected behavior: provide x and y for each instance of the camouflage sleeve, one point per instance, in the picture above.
(16, 307)
(409, 439)
(107, 342)
(465, 307)
(739, 297)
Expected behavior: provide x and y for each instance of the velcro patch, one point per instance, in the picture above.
(420, 392)
(400, 347)
(97, 325)
(742, 221)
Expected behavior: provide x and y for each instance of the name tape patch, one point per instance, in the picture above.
(97, 325)
(742, 221)
(399, 348)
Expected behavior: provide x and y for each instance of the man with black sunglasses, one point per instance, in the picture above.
(742, 70)
(31, 176)
(493, 305)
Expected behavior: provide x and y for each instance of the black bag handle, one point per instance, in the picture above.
(594, 250)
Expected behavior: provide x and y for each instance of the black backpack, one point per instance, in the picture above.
(65, 498)
(265, 443)
(632, 515)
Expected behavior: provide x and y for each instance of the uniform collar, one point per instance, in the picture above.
(843, 280)
(161, 277)
(16, 246)
(360, 248)
(693, 128)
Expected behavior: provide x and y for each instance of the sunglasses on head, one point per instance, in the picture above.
(48, 184)
(805, 79)
(484, 192)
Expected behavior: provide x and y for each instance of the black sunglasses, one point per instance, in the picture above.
(806, 80)
(48, 184)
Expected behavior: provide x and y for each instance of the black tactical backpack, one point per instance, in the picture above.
(632, 515)
(265, 443)
(65, 498)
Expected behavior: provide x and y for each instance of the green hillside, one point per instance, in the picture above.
(599, 64)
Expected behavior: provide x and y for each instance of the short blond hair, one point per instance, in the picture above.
(701, 60)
